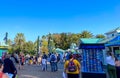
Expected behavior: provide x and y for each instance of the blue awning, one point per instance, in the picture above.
(113, 44)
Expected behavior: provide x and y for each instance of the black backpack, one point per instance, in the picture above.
(71, 66)
(16, 60)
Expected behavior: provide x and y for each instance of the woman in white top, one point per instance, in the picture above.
(44, 62)
(110, 59)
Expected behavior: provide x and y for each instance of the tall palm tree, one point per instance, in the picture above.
(19, 41)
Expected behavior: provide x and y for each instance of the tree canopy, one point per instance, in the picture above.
(48, 42)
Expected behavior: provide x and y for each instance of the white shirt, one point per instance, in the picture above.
(44, 61)
(110, 60)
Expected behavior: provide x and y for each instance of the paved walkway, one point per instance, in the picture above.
(34, 71)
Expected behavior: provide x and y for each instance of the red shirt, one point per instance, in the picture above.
(1, 73)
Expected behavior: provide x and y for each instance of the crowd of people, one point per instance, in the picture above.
(9, 64)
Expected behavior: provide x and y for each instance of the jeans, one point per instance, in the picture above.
(53, 66)
(44, 67)
(56, 67)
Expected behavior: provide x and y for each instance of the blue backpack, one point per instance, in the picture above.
(53, 58)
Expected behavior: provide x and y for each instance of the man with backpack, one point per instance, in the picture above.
(53, 60)
(72, 67)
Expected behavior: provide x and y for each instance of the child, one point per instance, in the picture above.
(44, 62)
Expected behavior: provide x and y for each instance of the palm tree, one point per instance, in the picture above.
(19, 41)
(86, 34)
(100, 36)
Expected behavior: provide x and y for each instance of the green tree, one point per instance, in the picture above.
(64, 44)
(9, 42)
(44, 45)
(86, 34)
(57, 40)
(74, 38)
(29, 48)
(10, 46)
(38, 45)
(19, 42)
(51, 44)
(100, 36)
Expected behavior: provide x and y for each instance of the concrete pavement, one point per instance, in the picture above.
(34, 71)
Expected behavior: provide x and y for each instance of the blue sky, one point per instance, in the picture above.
(39, 17)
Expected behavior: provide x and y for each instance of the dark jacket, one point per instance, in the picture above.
(9, 67)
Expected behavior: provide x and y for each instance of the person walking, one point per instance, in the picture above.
(2, 75)
(53, 60)
(72, 67)
(110, 60)
(22, 60)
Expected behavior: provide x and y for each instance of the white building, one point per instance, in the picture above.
(113, 33)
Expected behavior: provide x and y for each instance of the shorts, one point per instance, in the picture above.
(22, 63)
(72, 75)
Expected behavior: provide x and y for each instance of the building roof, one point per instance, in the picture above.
(117, 43)
(114, 41)
(90, 40)
(114, 30)
(105, 40)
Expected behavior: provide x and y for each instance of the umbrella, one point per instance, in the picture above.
(58, 50)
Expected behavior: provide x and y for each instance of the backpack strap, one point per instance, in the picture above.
(71, 60)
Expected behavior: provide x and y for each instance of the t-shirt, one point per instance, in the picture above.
(77, 65)
(44, 61)
(110, 60)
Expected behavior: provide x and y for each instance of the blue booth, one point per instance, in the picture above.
(92, 58)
